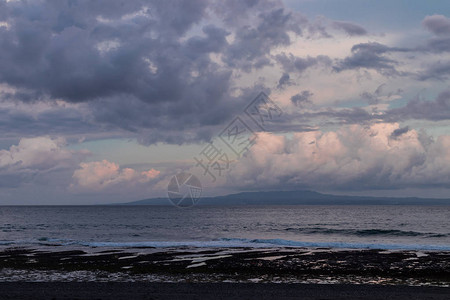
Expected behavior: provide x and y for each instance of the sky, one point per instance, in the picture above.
(105, 101)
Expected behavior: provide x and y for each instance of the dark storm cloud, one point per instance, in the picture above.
(253, 42)
(37, 119)
(161, 70)
(53, 47)
(350, 28)
(142, 65)
(370, 56)
(71, 122)
(214, 41)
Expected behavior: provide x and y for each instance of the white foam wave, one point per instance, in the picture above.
(229, 243)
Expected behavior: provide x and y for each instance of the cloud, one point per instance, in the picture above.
(434, 110)
(48, 118)
(380, 95)
(380, 156)
(398, 132)
(416, 109)
(370, 56)
(142, 66)
(437, 45)
(437, 24)
(252, 44)
(373, 98)
(285, 80)
(318, 28)
(439, 70)
(302, 99)
(292, 63)
(159, 71)
(102, 175)
(378, 57)
(46, 164)
(350, 28)
(342, 116)
(41, 153)
(150, 64)
(35, 159)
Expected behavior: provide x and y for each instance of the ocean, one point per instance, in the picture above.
(353, 227)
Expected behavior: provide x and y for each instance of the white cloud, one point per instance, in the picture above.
(37, 160)
(101, 175)
(353, 157)
(39, 153)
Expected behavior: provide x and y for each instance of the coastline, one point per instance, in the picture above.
(223, 273)
(238, 265)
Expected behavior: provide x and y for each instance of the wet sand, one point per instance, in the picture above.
(281, 265)
(223, 273)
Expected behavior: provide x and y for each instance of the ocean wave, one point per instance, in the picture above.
(227, 243)
(290, 243)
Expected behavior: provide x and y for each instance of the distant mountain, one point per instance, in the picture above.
(298, 198)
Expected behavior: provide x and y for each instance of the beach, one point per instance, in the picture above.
(240, 265)
(223, 273)
(304, 252)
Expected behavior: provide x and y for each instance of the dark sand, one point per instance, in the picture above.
(187, 291)
(223, 273)
(287, 265)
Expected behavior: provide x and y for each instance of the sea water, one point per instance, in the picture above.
(360, 227)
